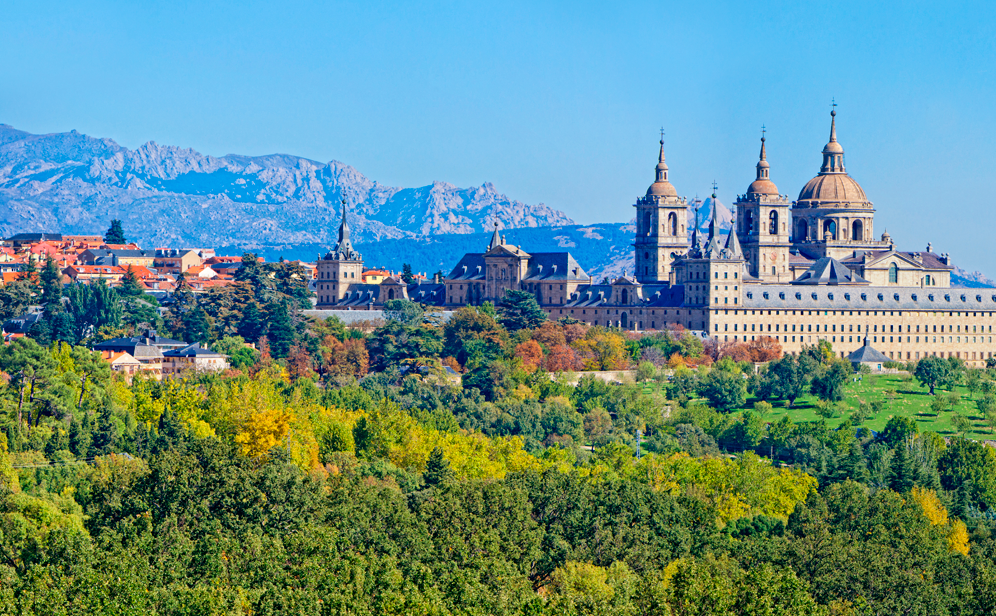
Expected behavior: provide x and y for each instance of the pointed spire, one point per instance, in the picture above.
(661, 165)
(762, 184)
(732, 248)
(713, 248)
(344, 248)
(661, 188)
(833, 152)
(495, 238)
(696, 242)
(712, 221)
(343, 226)
(833, 123)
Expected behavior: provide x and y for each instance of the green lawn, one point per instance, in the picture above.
(910, 400)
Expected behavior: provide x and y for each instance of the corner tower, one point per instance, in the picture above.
(339, 268)
(661, 227)
(764, 225)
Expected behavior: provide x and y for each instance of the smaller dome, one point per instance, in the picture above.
(763, 184)
(762, 187)
(662, 188)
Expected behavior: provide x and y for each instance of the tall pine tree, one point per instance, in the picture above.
(51, 286)
(115, 234)
(280, 332)
(520, 310)
(903, 473)
(130, 285)
(253, 324)
(437, 470)
(853, 465)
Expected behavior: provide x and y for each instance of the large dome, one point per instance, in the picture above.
(833, 188)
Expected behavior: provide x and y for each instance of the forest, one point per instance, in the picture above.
(467, 465)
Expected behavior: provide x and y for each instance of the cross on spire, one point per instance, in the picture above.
(714, 187)
(662, 134)
(833, 105)
(763, 130)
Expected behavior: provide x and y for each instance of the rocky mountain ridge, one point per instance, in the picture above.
(172, 196)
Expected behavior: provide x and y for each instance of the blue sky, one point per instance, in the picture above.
(558, 103)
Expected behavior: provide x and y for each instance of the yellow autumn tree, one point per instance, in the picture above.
(745, 486)
(263, 431)
(931, 505)
(958, 538)
(8, 476)
(938, 516)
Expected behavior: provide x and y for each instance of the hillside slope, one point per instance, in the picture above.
(170, 196)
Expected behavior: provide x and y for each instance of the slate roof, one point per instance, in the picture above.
(103, 253)
(23, 323)
(929, 260)
(432, 294)
(135, 347)
(35, 237)
(360, 295)
(559, 266)
(866, 353)
(664, 296)
(151, 338)
(790, 297)
(193, 350)
(829, 271)
(470, 267)
(655, 296)
(590, 295)
(350, 317)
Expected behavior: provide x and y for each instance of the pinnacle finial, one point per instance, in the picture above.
(714, 187)
(833, 123)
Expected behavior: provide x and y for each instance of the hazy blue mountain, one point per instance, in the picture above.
(704, 208)
(170, 196)
(972, 280)
(602, 250)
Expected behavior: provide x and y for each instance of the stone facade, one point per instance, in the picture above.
(798, 271)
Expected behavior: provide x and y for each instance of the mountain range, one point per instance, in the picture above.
(171, 196)
(288, 206)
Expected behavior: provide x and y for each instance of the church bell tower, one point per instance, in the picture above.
(661, 227)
